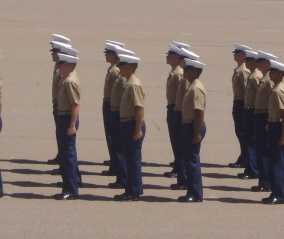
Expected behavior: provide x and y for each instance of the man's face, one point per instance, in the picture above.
(123, 69)
(172, 59)
(54, 55)
(182, 63)
(63, 69)
(110, 56)
(189, 73)
(250, 64)
(264, 65)
(275, 75)
(239, 56)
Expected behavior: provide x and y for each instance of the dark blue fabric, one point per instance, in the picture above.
(172, 133)
(1, 184)
(248, 130)
(133, 157)
(67, 155)
(192, 160)
(1, 123)
(119, 158)
(181, 172)
(276, 159)
(238, 109)
(106, 119)
(55, 110)
(260, 122)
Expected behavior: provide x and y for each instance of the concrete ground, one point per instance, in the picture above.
(147, 27)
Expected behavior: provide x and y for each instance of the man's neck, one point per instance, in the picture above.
(174, 66)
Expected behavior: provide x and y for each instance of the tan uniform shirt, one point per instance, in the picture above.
(194, 99)
(116, 92)
(172, 84)
(69, 92)
(239, 81)
(263, 92)
(182, 87)
(276, 101)
(251, 88)
(111, 76)
(132, 95)
(55, 84)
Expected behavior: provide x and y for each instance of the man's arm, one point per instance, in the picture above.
(199, 118)
(139, 117)
(281, 140)
(74, 115)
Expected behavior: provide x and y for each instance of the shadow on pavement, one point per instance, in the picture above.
(234, 200)
(89, 197)
(227, 188)
(156, 199)
(146, 164)
(218, 175)
(26, 171)
(212, 165)
(28, 196)
(150, 186)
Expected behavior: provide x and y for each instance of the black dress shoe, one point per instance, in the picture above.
(65, 197)
(172, 164)
(189, 199)
(106, 162)
(107, 173)
(115, 185)
(126, 198)
(53, 161)
(170, 174)
(271, 200)
(236, 165)
(259, 189)
(60, 185)
(246, 176)
(177, 186)
(55, 172)
(1, 195)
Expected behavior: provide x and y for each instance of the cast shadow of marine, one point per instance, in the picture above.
(28, 161)
(234, 200)
(36, 184)
(227, 188)
(213, 165)
(217, 175)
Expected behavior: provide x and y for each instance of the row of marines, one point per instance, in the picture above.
(258, 111)
(186, 98)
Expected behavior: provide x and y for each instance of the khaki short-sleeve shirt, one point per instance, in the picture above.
(55, 84)
(175, 76)
(182, 87)
(276, 101)
(116, 92)
(194, 99)
(132, 95)
(239, 81)
(111, 76)
(251, 88)
(263, 92)
(69, 92)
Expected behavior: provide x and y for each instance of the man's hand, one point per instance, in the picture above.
(196, 139)
(137, 135)
(71, 130)
(281, 142)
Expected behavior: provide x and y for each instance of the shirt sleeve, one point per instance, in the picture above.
(137, 95)
(199, 99)
(72, 91)
(279, 98)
